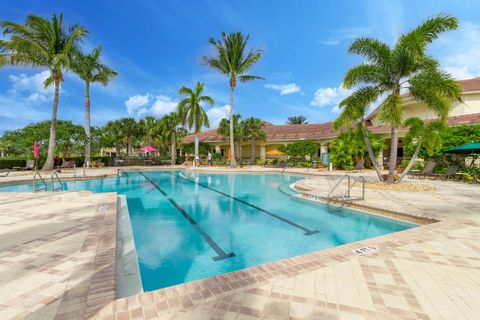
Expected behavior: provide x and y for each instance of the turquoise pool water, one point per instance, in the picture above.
(189, 226)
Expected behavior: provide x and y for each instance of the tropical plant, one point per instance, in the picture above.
(130, 129)
(253, 131)
(191, 112)
(224, 130)
(112, 135)
(421, 135)
(297, 120)
(232, 59)
(149, 128)
(169, 126)
(349, 147)
(301, 148)
(388, 71)
(40, 42)
(90, 69)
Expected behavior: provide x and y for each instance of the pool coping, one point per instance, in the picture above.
(187, 295)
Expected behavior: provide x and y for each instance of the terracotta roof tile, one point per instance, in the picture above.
(319, 130)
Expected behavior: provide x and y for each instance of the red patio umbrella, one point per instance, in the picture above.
(148, 149)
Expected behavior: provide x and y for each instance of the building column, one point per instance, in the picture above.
(262, 152)
(217, 149)
(379, 159)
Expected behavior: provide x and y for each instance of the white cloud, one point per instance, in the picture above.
(284, 88)
(215, 115)
(33, 85)
(136, 103)
(163, 105)
(459, 51)
(330, 97)
(346, 34)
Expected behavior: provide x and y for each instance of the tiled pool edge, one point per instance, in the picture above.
(187, 295)
(127, 272)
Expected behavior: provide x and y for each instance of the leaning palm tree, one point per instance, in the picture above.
(389, 70)
(191, 112)
(233, 60)
(89, 68)
(426, 135)
(169, 125)
(253, 130)
(40, 42)
(297, 120)
(149, 127)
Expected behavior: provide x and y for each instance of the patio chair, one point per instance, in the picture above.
(66, 164)
(30, 165)
(360, 166)
(450, 174)
(118, 162)
(4, 172)
(427, 170)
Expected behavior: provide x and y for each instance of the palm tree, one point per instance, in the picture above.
(89, 68)
(169, 124)
(130, 129)
(224, 130)
(149, 128)
(253, 130)
(233, 60)
(42, 43)
(388, 71)
(112, 134)
(297, 120)
(422, 135)
(191, 112)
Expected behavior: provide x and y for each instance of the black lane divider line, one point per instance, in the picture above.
(306, 231)
(221, 254)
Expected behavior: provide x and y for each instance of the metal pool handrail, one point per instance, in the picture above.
(362, 178)
(55, 175)
(329, 196)
(37, 173)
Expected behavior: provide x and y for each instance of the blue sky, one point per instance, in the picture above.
(156, 47)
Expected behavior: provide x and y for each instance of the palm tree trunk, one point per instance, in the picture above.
(117, 151)
(174, 149)
(253, 151)
(196, 150)
(370, 152)
(393, 155)
(130, 145)
(411, 163)
(53, 131)
(232, 138)
(87, 124)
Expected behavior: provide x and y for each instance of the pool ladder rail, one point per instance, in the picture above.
(54, 178)
(346, 195)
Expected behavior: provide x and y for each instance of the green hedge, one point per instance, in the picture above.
(12, 162)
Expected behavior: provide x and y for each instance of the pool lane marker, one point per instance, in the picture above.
(221, 254)
(306, 231)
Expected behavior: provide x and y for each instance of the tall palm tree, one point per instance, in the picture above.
(389, 70)
(224, 130)
(423, 135)
(149, 128)
(169, 125)
(232, 59)
(40, 42)
(130, 130)
(253, 130)
(90, 69)
(191, 112)
(297, 120)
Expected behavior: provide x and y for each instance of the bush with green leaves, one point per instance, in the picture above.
(299, 149)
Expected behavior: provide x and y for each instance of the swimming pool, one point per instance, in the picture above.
(188, 226)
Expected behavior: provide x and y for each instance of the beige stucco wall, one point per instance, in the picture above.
(470, 105)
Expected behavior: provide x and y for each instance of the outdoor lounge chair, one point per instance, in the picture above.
(427, 170)
(66, 164)
(360, 166)
(4, 172)
(30, 165)
(450, 174)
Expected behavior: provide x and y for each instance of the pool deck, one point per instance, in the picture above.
(429, 272)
